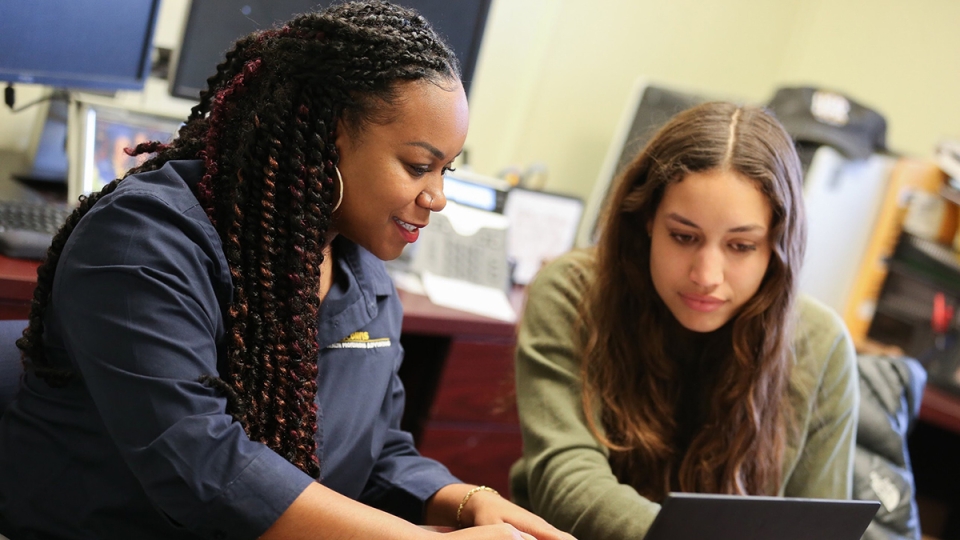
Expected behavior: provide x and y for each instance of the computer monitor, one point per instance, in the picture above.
(98, 135)
(543, 226)
(475, 190)
(87, 44)
(204, 43)
(648, 108)
(46, 153)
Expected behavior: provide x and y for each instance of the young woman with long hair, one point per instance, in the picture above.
(676, 355)
(213, 345)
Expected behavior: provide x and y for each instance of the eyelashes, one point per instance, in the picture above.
(418, 171)
(685, 239)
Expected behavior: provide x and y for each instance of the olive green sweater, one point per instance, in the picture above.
(564, 474)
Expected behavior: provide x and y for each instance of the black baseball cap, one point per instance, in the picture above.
(818, 116)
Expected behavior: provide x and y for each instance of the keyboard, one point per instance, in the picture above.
(26, 228)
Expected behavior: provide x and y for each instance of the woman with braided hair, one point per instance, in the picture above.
(213, 345)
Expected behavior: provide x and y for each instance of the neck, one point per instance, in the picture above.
(326, 268)
(683, 344)
(328, 240)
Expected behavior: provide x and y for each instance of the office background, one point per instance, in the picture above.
(554, 75)
(552, 81)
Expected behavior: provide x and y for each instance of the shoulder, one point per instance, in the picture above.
(171, 186)
(152, 220)
(823, 347)
(567, 276)
(554, 297)
(156, 198)
(818, 327)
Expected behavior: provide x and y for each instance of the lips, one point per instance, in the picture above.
(409, 231)
(704, 304)
(408, 226)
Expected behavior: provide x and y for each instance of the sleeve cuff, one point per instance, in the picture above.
(250, 504)
(407, 498)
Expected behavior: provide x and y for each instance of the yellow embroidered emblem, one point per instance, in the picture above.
(360, 340)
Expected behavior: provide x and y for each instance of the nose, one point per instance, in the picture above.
(439, 201)
(706, 269)
(432, 198)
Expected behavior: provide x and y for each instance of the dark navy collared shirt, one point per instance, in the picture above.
(136, 447)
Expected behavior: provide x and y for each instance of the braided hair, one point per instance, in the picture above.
(265, 130)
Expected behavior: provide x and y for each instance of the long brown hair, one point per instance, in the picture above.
(265, 130)
(630, 383)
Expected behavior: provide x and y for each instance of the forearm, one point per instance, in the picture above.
(576, 491)
(463, 505)
(321, 512)
(441, 509)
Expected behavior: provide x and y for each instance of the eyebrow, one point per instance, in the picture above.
(740, 229)
(432, 149)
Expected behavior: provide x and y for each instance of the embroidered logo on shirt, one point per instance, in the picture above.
(360, 340)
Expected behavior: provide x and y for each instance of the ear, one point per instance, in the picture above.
(347, 136)
(342, 135)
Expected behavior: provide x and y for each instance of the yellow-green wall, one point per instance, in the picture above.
(554, 75)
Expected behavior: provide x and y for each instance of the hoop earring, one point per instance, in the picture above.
(340, 180)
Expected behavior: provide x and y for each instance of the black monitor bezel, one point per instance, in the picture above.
(196, 19)
(89, 81)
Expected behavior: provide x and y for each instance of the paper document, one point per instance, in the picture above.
(465, 296)
(408, 281)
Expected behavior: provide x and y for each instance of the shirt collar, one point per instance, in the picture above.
(352, 301)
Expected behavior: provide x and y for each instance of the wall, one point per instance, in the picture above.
(554, 74)
(902, 58)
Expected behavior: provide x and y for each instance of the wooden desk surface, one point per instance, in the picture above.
(421, 316)
(940, 408)
(18, 277)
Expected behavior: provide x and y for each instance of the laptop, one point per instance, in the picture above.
(696, 516)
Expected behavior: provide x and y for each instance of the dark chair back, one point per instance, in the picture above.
(891, 388)
(11, 368)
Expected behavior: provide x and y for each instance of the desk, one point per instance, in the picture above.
(18, 277)
(458, 372)
(941, 409)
